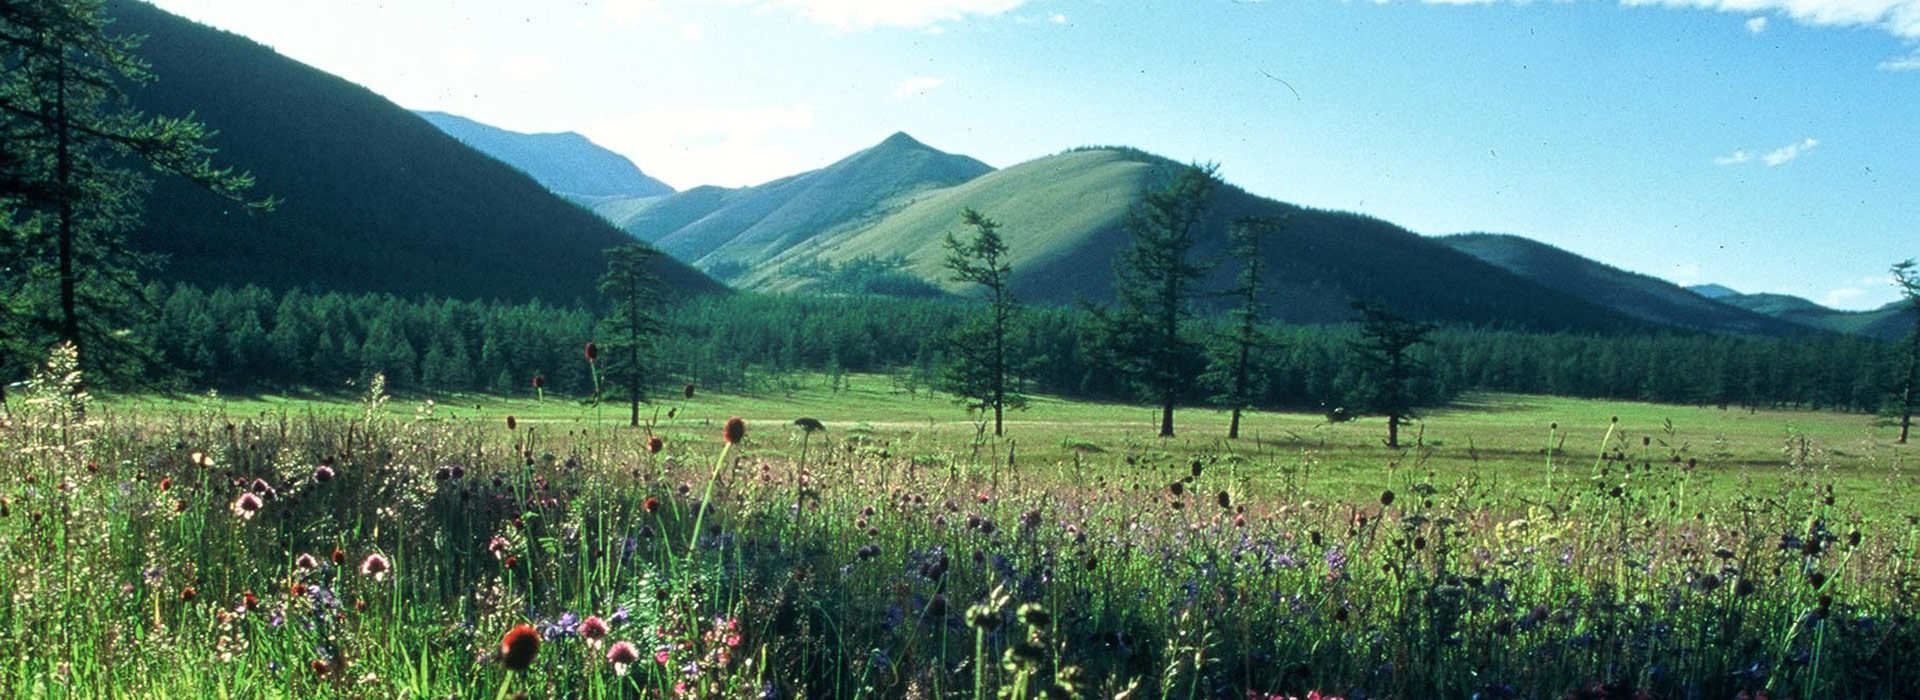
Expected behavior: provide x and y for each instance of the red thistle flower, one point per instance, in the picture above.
(512, 424)
(592, 352)
(539, 381)
(593, 629)
(166, 482)
(736, 430)
(249, 601)
(687, 391)
(339, 555)
(655, 444)
(323, 473)
(651, 505)
(376, 566)
(247, 506)
(298, 589)
(498, 546)
(518, 648)
(187, 594)
(320, 668)
(622, 653)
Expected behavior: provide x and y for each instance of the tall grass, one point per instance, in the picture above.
(869, 574)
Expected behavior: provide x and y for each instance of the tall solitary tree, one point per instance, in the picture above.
(633, 321)
(1154, 281)
(983, 368)
(1385, 339)
(1907, 278)
(1231, 357)
(67, 196)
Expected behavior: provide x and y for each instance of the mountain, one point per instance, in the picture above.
(375, 199)
(1063, 220)
(566, 163)
(728, 232)
(1712, 291)
(1888, 322)
(1632, 293)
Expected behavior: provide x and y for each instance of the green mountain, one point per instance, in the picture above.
(1063, 218)
(1887, 322)
(1639, 295)
(375, 199)
(566, 163)
(729, 232)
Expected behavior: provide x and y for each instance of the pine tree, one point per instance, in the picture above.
(1233, 355)
(1385, 341)
(66, 195)
(633, 322)
(983, 368)
(1153, 280)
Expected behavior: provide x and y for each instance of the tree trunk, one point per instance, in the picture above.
(1233, 428)
(63, 165)
(1906, 397)
(1393, 431)
(633, 358)
(1166, 418)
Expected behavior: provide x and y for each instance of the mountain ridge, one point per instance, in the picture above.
(566, 162)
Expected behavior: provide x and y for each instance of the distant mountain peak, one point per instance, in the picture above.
(901, 139)
(564, 162)
(1712, 291)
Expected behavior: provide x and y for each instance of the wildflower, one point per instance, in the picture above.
(498, 546)
(320, 668)
(249, 601)
(736, 429)
(323, 473)
(539, 381)
(593, 629)
(518, 648)
(1386, 498)
(166, 482)
(260, 486)
(655, 444)
(1225, 500)
(188, 594)
(247, 506)
(376, 566)
(592, 352)
(651, 505)
(621, 655)
(687, 391)
(339, 556)
(512, 425)
(1035, 616)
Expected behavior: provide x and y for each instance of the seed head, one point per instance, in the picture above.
(592, 352)
(247, 506)
(622, 653)
(519, 647)
(376, 566)
(593, 629)
(655, 444)
(736, 428)
(687, 391)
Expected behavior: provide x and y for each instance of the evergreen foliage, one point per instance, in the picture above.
(1154, 281)
(1230, 357)
(1386, 342)
(983, 371)
(633, 320)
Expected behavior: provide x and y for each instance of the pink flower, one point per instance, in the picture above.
(247, 506)
(376, 566)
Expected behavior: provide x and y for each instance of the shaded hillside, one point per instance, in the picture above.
(567, 163)
(1631, 293)
(1887, 322)
(730, 231)
(374, 198)
(1063, 217)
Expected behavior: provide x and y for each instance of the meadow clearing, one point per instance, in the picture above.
(1518, 547)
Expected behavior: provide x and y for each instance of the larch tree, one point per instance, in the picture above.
(983, 368)
(67, 193)
(1232, 355)
(1907, 279)
(633, 322)
(1154, 281)
(1386, 340)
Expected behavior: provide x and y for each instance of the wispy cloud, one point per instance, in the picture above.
(915, 86)
(1897, 17)
(1737, 157)
(1783, 154)
(1756, 25)
(864, 14)
(1778, 156)
(1904, 63)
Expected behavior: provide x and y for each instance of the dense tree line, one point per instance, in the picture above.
(251, 339)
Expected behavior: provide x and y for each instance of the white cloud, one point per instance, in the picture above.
(1789, 152)
(1757, 25)
(1057, 18)
(1842, 296)
(730, 146)
(915, 86)
(525, 67)
(1904, 63)
(1897, 17)
(691, 32)
(1688, 273)
(629, 12)
(1737, 157)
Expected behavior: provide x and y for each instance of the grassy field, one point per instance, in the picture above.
(1502, 439)
(480, 547)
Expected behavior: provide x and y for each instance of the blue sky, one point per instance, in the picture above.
(1768, 145)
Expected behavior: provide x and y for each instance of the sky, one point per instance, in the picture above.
(1765, 145)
